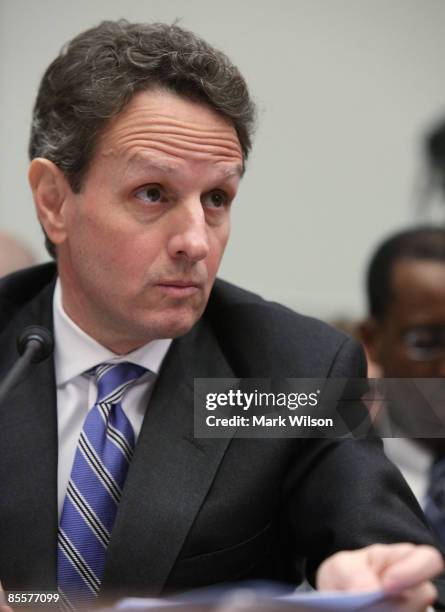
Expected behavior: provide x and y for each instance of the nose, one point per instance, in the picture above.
(189, 239)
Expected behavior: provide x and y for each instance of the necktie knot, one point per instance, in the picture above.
(114, 379)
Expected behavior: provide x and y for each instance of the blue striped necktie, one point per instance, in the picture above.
(99, 470)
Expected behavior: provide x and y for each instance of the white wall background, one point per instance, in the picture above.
(346, 89)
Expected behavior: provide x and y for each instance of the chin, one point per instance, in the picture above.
(174, 325)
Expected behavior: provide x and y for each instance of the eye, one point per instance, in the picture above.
(216, 199)
(422, 337)
(152, 194)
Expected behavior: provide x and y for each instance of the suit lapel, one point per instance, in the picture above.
(171, 472)
(28, 467)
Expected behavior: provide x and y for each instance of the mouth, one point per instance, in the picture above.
(179, 288)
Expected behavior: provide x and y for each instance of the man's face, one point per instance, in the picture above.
(416, 310)
(145, 236)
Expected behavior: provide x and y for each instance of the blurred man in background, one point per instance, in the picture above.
(13, 254)
(435, 157)
(405, 335)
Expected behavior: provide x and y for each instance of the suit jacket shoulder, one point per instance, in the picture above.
(20, 288)
(262, 338)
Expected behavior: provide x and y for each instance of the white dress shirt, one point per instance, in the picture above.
(74, 353)
(414, 461)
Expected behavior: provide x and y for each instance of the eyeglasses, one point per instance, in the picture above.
(425, 343)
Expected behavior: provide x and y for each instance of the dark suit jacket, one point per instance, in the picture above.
(199, 511)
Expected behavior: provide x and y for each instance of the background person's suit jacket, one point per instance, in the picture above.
(199, 511)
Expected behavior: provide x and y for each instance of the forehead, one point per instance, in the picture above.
(163, 125)
(418, 288)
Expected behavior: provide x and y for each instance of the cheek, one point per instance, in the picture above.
(116, 262)
(397, 364)
(133, 257)
(218, 243)
(419, 369)
(118, 243)
(390, 355)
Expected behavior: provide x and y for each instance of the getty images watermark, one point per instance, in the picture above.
(314, 408)
(256, 399)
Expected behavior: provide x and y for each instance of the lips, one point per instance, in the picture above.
(180, 283)
(179, 288)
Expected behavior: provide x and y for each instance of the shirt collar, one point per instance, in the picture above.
(75, 351)
(409, 454)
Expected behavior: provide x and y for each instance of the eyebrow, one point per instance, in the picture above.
(235, 171)
(146, 163)
(142, 161)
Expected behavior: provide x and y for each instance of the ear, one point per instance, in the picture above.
(50, 190)
(371, 335)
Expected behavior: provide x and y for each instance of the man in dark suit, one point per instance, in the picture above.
(139, 140)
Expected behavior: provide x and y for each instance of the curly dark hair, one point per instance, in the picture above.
(100, 70)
